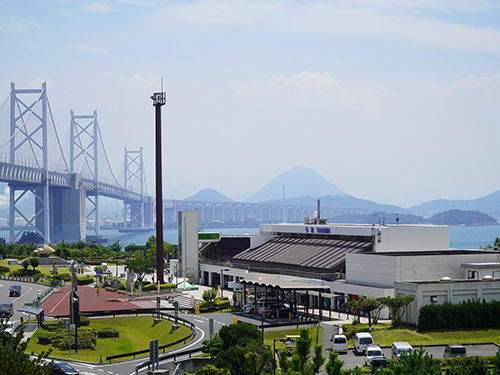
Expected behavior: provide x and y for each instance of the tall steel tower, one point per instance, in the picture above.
(159, 100)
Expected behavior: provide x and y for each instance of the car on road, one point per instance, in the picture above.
(371, 352)
(455, 351)
(6, 310)
(378, 363)
(62, 368)
(15, 290)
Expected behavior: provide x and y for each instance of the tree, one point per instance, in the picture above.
(141, 266)
(397, 307)
(34, 262)
(30, 237)
(299, 363)
(334, 365)
(368, 306)
(209, 295)
(14, 359)
(25, 264)
(238, 347)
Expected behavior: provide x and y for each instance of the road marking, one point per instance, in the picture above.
(201, 321)
(59, 302)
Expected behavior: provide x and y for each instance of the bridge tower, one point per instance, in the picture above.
(28, 147)
(137, 215)
(84, 148)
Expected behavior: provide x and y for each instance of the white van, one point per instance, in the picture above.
(361, 341)
(399, 348)
(339, 344)
(372, 351)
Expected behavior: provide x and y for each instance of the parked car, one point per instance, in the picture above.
(249, 308)
(399, 348)
(339, 343)
(378, 363)
(15, 290)
(281, 312)
(290, 343)
(371, 352)
(455, 351)
(361, 341)
(9, 327)
(62, 368)
(6, 310)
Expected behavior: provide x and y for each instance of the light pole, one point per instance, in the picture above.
(222, 281)
(159, 100)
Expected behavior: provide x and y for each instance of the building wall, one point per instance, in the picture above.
(384, 270)
(188, 244)
(412, 238)
(386, 237)
(455, 291)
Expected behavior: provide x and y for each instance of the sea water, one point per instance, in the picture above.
(461, 237)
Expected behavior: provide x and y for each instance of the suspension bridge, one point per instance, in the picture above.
(65, 177)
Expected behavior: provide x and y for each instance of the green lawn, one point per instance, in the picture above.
(384, 335)
(135, 334)
(45, 270)
(269, 336)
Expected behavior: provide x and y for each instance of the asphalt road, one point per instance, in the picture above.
(28, 294)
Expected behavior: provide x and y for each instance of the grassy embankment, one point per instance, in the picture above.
(135, 334)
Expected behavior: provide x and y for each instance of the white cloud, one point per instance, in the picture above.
(99, 8)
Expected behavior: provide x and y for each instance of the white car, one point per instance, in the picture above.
(371, 352)
(9, 327)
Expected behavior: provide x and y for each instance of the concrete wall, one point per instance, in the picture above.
(438, 292)
(387, 237)
(384, 270)
(188, 243)
(412, 238)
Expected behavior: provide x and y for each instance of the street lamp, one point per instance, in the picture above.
(222, 281)
(274, 353)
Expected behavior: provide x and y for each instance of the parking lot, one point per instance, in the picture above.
(351, 359)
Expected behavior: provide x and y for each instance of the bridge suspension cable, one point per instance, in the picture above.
(57, 137)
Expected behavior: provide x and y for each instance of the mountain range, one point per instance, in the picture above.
(303, 186)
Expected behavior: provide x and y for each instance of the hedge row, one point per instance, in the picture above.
(152, 287)
(466, 314)
(60, 339)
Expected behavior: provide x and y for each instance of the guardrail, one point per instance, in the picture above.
(188, 353)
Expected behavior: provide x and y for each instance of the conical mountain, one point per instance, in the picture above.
(299, 182)
(208, 195)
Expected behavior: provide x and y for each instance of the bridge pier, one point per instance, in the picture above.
(67, 212)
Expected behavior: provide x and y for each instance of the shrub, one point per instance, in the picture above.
(122, 286)
(26, 273)
(107, 332)
(85, 280)
(153, 287)
(53, 325)
(222, 302)
(4, 269)
(62, 276)
(46, 338)
(84, 321)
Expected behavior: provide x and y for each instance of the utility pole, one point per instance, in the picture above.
(159, 100)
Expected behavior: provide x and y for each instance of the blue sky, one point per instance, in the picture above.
(395, 101)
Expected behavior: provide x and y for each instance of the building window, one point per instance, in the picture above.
(434, 299)
(472, 274)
